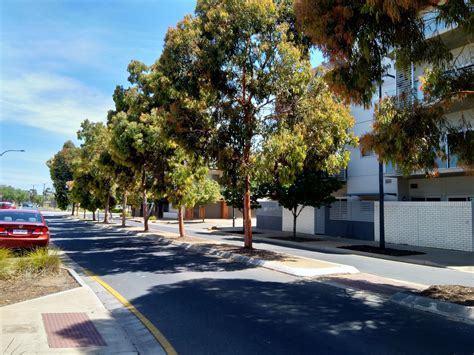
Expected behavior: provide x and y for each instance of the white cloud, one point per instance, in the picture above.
(52, 102)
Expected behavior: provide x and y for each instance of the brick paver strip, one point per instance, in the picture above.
(71, 330)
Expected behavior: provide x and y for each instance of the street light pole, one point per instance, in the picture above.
(12, 150)
(381, 192)
(381, 184)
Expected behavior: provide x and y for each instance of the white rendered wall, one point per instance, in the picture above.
(304, 223)
(445, 225)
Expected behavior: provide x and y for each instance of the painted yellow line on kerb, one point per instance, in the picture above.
(153, 330)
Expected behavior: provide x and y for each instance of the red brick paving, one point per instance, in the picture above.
(71, 330)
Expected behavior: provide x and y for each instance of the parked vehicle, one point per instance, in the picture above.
(4, 205)
(23, 229)
(27, 205)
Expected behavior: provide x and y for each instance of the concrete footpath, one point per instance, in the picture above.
(71, 322)
(452, 259)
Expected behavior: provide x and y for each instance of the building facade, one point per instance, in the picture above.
(453, 182)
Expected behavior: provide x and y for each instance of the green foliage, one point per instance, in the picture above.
(12, 194)
(408, 138)
(94, 173)
(442, 86)
(183, 178)
(225, 66)
(206, 191)
(152, 218)
(309, 145)
(357, 35)
(61, 167)
(39, 261)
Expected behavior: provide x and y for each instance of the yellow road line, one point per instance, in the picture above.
(153, 330)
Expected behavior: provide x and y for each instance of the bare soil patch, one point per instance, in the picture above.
(462, 295)
(385, 251)
(255, 253)
(29, 286)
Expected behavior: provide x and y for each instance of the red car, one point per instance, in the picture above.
(7, 205)
(23, 229)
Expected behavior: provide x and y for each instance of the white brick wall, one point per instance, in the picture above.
(304, 223)
(445, 225)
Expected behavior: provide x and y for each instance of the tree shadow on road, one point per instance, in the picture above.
(109, 251)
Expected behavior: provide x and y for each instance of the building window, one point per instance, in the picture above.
(459, 199)
(426, 199)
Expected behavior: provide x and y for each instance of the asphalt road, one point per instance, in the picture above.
(421, 274)
(206, 305)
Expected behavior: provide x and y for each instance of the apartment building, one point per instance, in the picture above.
(453, 183)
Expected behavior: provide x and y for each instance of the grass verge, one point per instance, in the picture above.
(39, 261)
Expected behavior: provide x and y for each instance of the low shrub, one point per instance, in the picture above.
(152, 218)
(5, 254)
(39, 261)
(5, 263)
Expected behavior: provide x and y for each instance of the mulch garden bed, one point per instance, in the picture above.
(26, 287)
(257, 253)
(462, 295)
(377, 250)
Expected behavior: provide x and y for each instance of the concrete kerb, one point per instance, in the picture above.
(137, 333)
(343, 251)
(450, 310)
(301, 272)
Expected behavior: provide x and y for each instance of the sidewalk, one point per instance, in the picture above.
(456, 260)
(83, 320)
(68, 322)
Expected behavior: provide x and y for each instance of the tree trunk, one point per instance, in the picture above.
(73, 207)
(145, 203)
(84, 213)
(77, 210)
(295, 216)
(124, 209)
(182, 232)
(247, 215)
(106, 211)
(93, 215)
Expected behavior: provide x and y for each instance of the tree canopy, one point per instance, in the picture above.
(357, 37)
(61, 171)
(226, 65)
(301, 159)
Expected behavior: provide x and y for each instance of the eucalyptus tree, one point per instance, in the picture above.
(137, 132)
(186, 182)
(225, 65)
(301, 160)
(357, 36)
(61, 171)
(96, 161)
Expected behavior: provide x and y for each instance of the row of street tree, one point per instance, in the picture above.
(234, 90)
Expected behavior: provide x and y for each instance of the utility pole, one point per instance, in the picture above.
(381, 192)
(381, 183)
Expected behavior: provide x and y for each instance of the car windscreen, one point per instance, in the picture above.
(28, 217)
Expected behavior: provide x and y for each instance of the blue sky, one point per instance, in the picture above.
(60, 61)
